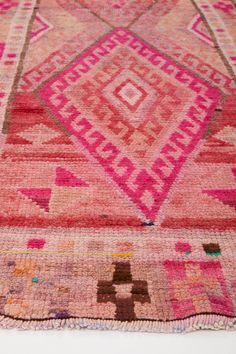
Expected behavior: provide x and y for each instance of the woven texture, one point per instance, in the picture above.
(118, 164)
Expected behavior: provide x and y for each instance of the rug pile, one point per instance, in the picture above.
(118, 164)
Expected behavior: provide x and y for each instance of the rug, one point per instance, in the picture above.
(118, 164)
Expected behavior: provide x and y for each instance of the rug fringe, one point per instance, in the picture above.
(213, 322)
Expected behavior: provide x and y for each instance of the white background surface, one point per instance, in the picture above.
(107, 342)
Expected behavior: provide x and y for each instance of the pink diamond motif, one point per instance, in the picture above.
(136, 113)
(38, 134)
(130, 94)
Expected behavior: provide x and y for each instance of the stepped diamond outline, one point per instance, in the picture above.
(147, 187)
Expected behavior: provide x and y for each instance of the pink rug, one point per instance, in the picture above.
(118, 164)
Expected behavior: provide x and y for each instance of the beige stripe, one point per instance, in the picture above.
(14, 45)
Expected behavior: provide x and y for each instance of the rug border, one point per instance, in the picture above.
(191, 324)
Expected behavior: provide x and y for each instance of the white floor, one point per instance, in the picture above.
(101, 342)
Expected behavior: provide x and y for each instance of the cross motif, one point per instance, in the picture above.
(123, 291)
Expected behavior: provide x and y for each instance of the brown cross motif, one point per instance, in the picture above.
(123, 291)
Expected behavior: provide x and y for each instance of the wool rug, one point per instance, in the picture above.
(118, 164)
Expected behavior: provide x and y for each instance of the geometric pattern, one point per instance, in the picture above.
(118, 164)
(197, 27)
(190, 286)
(123, 291)
(39, 28)
(117, 12)
(146, 187)
(65, 178)
(184, 46)
(38, 134)
(226, 197)
(41, 196)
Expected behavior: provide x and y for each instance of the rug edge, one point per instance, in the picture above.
(194, 323)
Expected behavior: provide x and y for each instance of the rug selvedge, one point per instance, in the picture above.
(118, 165)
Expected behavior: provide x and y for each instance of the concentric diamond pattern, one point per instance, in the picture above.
(143, 136)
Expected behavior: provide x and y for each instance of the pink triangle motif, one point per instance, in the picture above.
(40, 196)
(66, 178)
(226, 196)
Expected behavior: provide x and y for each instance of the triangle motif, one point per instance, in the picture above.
(65, 178)
(226, 196)
(40, 196)
(227, 135)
